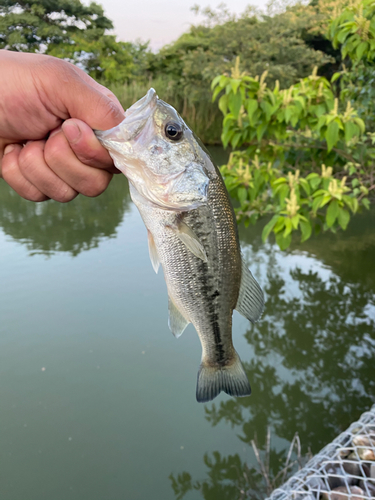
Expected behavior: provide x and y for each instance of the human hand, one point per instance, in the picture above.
(48, 108)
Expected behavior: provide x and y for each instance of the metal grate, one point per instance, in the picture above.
(344, 469)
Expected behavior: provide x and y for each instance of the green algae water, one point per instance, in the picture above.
(97, 398)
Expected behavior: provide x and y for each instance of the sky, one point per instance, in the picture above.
(160, 21)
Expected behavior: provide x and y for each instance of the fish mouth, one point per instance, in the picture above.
(135, 119)
(147, 101)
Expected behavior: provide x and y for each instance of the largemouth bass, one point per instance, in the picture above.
(192, 233)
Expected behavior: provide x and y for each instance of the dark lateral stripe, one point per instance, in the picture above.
(219, 351)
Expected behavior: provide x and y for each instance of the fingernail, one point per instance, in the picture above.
(72, 132)
(8, 149)
(54, 132)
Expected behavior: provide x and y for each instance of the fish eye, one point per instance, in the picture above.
(173, 131)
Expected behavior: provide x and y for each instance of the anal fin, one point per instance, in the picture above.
(176, 322)
(250, 299)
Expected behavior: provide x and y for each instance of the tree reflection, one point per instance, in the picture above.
(73, 227)
(313, 365)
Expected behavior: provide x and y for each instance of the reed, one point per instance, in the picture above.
(194, 104)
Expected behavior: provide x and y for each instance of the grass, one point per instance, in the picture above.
(194, 105)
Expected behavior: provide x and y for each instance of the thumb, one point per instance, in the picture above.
(86, 146)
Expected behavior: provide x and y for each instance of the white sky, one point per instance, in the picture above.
(160, 21)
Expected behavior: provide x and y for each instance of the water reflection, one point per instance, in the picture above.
(73, 227)
(312, 371)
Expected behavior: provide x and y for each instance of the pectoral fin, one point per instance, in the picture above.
(176, 322)
(153, 252)
(188, 237)
(250, 300)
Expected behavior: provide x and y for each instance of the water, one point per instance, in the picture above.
(97, 398)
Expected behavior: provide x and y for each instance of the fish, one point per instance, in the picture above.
(192, 234)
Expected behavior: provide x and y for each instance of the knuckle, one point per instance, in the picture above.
(58, 67)
(89, 157)
(31, 193)
(27, 159)
(52, 152)
(35, 195)
(6, 169)
(95, 185)
(64, 194)
(107, 109)
(12, 175)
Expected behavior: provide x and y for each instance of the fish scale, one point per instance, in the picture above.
(192, 233)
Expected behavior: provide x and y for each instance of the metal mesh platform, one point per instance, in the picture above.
(344, 469)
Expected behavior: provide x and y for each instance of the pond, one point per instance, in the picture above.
(97, 396)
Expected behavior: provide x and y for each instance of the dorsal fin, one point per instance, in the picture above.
(250, 299)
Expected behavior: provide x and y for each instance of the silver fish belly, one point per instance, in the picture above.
(192, 233)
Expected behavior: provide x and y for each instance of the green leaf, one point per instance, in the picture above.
(355, 205)
(316, 203)
(305, 230)
(312, 176)
(325, 200)
(223, 104)
(361, 124)
(235, 83)
(242, 194)
(252, 106)
(332, 213)
(314, 182)
(295, 221)
(268, 227)
(288, 227)
(351, 129)
(215, 81)
(267, 108)
(283, 193)
(226, 137)
(236, 139)
(361, 49)
(216, 93)
(260, 130)
(348, 202)
(332, 135)
(280, 180)
(305, 186)
(366, 203)
(279, 224)
(335, 77)
(235, 103)
(343, 218)
(283, 241)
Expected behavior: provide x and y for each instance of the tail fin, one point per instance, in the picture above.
(230, 378)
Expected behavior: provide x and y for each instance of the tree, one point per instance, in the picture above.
(70, 30)
(264, 42)
(308, 160)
